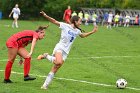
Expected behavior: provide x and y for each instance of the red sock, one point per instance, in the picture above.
(27, 66)
(8, 69)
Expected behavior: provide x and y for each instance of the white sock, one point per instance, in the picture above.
(107, 26)
(48, 79)
(13, 24)
(16, 24)
(114, 25)
(94, 23)
(50, 58)
(124, 25)
(110, 26)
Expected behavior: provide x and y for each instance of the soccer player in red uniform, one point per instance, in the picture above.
(67, 15)
(16, 46)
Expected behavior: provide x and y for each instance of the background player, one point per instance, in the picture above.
(69, 32)
(110, 18)
(127, 21)
(67, 15)
(16, 12)
(116, 20)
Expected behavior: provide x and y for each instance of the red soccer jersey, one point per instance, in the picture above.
(67, 14)
(22, 39)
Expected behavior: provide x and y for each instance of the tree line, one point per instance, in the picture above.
(55, 8)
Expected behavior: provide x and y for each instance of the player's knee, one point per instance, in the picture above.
(29, 58)
(59, 62)
(11, 59)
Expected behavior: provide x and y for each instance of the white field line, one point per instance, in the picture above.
(100, 57)
(96, 57)
(74, 80)
(6, 59)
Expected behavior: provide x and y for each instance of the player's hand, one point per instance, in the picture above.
(40, 57)
(29, 55)
(43, 13)
(9, 15)
(95, 29)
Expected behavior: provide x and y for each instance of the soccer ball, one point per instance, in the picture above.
(121, 83)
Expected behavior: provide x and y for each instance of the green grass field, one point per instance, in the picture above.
(93, 65)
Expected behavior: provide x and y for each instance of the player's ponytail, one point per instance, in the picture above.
(40, 28)
(76, 18)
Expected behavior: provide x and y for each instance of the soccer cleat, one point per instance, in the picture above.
(20, 62)
(45, 55)
(27, 78)
(7, 81)
(42, 87)
(42, 56)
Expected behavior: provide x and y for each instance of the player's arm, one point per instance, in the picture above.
(32, 47)
(89, 33)
(19, 12)
(64, 15)
(10, 13)
(50, 18)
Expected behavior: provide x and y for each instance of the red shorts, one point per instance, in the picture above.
(67, 20)
(11, 44)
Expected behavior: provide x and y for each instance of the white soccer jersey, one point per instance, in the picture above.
(68, 35)
(110, 17)
(16, 12)
(127, 18)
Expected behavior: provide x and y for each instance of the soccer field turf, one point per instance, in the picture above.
(93, 65)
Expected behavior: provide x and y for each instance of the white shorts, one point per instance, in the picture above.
(15, 16)
(85, 19)
(94, 19)
(127, 20)
(64, 54)
(110, 20)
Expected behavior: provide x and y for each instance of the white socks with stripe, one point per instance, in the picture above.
(48, 79)
(50, 58)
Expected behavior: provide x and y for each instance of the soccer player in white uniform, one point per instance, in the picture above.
(127, 21)
(110, 18)
(16, 12)
(69, 32)
(94, 17)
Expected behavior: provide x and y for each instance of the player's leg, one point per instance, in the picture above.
(125, 23)
(95, 23)
(107, 24)
(13, 24)
(128, 24)
(110, 24)
(16, 23)
(23, 53)
(115, 23)
(46, 56)
(57, 64)
(68, 21)
(86, 22)
(103, 22)
(12, 52)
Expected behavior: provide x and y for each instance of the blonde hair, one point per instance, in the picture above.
(16, 5)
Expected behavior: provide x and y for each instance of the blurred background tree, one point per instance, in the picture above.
(55, 8)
